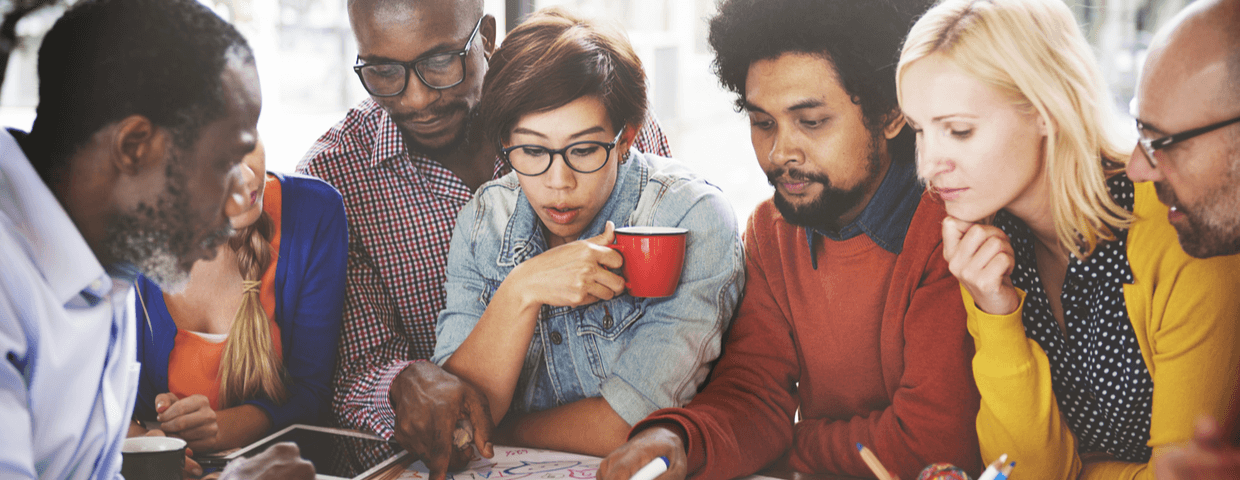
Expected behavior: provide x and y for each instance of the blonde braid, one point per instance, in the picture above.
(249, 367)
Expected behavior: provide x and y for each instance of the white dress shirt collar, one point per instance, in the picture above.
(57, 248)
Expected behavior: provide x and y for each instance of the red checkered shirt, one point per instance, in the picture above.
(401, 209)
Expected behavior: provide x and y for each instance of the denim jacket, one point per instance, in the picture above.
(639, 354)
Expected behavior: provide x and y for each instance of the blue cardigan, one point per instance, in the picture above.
(310, 276)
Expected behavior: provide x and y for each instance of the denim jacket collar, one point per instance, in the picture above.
(886, 218)
(524, 239)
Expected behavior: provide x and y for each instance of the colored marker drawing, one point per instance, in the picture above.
(518, 464)
(542, 467)
(525, 464)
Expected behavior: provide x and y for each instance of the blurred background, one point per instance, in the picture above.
(305, 51)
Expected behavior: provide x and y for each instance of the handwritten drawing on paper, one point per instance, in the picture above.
(512, 463)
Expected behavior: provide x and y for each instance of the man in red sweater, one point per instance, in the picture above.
(850, 315)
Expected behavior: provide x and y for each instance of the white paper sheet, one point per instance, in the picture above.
(511, 463)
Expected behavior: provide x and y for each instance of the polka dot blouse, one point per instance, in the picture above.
(1100, 380)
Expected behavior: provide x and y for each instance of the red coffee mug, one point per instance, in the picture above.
(653, 259)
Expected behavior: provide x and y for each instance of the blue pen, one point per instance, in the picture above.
(1006, 471)
(653, 469)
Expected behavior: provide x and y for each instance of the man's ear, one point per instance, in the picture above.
(488, 35)
(895, 123)
(137, 144)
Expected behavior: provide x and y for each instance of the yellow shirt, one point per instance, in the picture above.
(1184, 312)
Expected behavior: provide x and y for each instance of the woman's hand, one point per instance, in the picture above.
(190, 418)
(981, 257)
(570, 275)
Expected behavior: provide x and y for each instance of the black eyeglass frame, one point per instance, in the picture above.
(1149, 146)
(563, 152)
(412, 66)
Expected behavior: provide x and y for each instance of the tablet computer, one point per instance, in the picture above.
(336, 454)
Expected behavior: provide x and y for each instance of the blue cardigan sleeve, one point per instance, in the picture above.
(310, 286)
(156, 337)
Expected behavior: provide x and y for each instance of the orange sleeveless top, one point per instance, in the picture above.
(194, 364)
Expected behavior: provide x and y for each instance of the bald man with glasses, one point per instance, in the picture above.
(1188, 118)
(1187, 108)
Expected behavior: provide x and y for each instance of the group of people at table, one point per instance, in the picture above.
(962, 256)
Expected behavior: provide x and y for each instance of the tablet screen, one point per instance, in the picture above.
(335, 454)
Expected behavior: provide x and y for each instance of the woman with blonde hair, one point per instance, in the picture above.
(249, 346)
(1098, 339)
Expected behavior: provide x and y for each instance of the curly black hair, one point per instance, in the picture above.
(860, 38)
(105, 60)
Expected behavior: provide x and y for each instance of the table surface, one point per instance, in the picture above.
(788, 474)
(782, 473)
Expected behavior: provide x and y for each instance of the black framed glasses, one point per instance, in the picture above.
(1149, 146)
(437, 71)
(582, 157)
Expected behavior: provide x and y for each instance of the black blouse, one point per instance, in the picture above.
(1099, 377)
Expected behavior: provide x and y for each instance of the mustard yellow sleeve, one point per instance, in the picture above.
(1019, 415)
(1186, 315)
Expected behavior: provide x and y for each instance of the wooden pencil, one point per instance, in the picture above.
(872, 461)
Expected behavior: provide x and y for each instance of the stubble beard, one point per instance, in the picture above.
(1214, 223)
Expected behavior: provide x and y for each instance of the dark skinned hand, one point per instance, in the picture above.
(429, 403)
(649, 444)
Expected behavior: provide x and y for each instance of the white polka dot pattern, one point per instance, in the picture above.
(1100, 380)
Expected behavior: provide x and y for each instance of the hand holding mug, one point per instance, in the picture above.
(573, 274)
(981, 257)
(191, 469)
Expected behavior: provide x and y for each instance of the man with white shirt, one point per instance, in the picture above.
(146, 109)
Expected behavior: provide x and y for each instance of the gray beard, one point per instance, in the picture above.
(155, 239)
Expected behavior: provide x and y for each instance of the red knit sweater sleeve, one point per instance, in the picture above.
(934, 401)
(743, 419)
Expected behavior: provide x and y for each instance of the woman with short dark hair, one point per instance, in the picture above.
(535, 316)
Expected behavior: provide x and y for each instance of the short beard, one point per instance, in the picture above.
(453, 144)
(832, 203)
(156, 239)
(1214, 224)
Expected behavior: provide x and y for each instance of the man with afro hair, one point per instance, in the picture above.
(850, 317)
